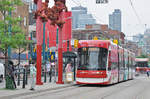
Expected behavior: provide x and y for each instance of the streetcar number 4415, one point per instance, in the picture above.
(101, 1)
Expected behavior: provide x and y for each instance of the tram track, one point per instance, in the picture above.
(65, 90)
(97, 89)
(83, 90)
(86, 91)
(119, 89)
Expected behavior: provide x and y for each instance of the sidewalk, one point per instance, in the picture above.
(4, 93)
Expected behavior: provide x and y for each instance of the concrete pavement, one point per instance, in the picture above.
(137, 88)
(6, 94)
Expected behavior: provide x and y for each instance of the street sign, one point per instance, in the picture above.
(101, 1)
(69, 76)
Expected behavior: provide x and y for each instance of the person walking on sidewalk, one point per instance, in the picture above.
(68, 68)
(32, 75)
(49, 71)
(69, 73)
(147, 72)
(52, 70)
(12, 72)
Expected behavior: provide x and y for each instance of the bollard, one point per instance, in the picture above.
(26, 75)
(23, 85)
(45, 73)
(50, 75)
(18, 83)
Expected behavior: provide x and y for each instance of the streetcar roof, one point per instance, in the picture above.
(141, 59)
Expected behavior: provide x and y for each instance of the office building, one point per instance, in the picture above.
(115, 20)
(80, 18)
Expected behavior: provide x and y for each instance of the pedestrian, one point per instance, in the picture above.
(68, 68)
(52, 70)
(147, 72)
(49, 71)
(32, 75)
(12, 72)
(69, 73)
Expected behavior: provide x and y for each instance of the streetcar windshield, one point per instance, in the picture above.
(92, 58)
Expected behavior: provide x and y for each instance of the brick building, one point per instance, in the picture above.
(101, 31)
(133, 46)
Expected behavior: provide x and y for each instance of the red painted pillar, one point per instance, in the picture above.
(38, 76)
(39, 35)
(60, 57)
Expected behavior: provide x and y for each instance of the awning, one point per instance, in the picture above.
(69, 54)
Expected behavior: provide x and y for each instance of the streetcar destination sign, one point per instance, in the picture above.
(101, 1)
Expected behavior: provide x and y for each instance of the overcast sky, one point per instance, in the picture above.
(130, 23)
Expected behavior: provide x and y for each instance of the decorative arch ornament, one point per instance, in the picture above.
(53, 14)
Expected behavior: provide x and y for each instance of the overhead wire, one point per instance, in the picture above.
(131, 3)
(76, 3)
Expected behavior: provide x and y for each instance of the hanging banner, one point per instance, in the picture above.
(69, 76)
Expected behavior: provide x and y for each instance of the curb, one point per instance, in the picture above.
(34, 92)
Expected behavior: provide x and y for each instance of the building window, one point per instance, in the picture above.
(25, 21)
(19, 18)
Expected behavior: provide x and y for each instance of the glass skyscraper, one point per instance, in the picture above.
(115, 20)
(80, 17)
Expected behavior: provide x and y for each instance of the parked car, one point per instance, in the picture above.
(1, 72)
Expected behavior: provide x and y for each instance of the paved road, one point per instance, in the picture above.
(139, 88)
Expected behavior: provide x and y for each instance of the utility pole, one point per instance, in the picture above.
(9, 30)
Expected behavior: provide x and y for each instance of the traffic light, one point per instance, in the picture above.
(76, 43)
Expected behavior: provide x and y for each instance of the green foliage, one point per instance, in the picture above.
(10, 29)
(8, 5)
(11, 34)
(20, 40)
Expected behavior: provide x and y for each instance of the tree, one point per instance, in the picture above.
(21, 43)
(11, 34)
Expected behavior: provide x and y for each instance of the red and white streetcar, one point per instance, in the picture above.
(142, 65)
(103, 62)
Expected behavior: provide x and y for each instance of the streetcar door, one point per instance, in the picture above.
(109, 60)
